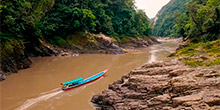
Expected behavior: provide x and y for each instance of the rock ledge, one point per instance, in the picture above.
(168, 85)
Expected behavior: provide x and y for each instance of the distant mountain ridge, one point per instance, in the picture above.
(160, 11)
(164, 21)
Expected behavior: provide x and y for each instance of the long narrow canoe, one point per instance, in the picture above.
(79, 82)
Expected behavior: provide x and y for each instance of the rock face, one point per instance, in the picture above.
(100, 43)
(15, 62)
(168, 85)
(138, 42)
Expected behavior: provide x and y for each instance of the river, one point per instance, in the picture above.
(37, 88)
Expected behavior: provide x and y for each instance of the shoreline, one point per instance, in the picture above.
(165, 85)
(105, 47)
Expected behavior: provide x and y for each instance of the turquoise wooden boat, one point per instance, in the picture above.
(80, 81)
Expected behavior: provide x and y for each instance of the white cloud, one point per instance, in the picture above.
(151, 7)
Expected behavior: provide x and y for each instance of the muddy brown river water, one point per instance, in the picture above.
(37, 88)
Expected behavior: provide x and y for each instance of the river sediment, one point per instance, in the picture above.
(167, 85)
(46, 73)
(101, 44)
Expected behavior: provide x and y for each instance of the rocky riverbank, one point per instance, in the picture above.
(167, 85)
(97, 43)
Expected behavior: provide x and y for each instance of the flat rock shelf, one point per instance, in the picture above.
(167, 85)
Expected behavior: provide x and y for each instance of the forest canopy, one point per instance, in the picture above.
(26, 24)
(166, 17)
(33, 19)
(201, 22)
(198, 20)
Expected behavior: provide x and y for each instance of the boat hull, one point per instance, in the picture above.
(88, 80)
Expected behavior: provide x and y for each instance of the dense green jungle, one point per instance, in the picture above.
(26, 25)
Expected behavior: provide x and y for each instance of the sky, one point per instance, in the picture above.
(151, 7)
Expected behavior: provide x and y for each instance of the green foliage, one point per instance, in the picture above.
(19, 30)
(59, 41)
(21, 15)
(26, 23)
(10, 48)
(199, 54)
(194, 62)
(36, 19)
(19, 20)
(197, 20)
(125, 40)
(115, 18)
(201, 62)
(165, 24)
(201, 22)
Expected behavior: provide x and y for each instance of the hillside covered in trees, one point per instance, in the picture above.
(194, 19)
(27, 24)
(115, 18)
(171, 84)
(200, 28)
(164, 21)
(201, 21)
(49, 18)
